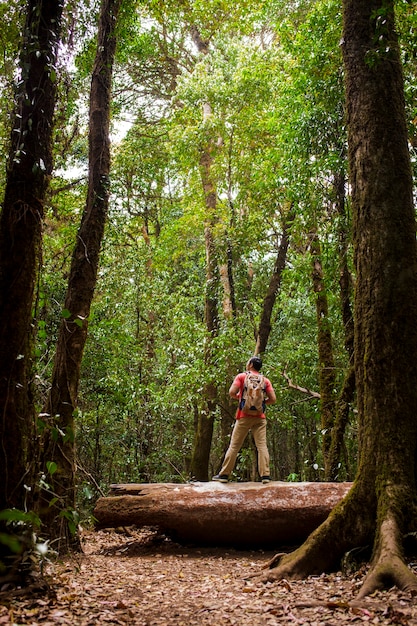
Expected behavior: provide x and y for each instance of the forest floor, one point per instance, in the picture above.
(140, 578)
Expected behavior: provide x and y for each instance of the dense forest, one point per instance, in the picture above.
(196, 210)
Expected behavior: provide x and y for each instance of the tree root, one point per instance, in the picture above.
(384, 573)
(292, 566)
(388, 567)
(275, 561)
(389, 573)
(323, 549)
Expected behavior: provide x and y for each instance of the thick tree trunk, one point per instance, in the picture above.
(381, 507)
(59, 505)
(27, 179)
(237, 514)
(29, 168)
(386, 267)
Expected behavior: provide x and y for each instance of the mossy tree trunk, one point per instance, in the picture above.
(381, 506)
(28, 171)
(27, 179)
(58, 504)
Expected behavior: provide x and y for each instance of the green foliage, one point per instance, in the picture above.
(144, 368)
(11, 26)
(407, 26)
(273, 79)
(18, 530)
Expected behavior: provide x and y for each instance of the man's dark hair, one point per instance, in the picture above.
(256, 362)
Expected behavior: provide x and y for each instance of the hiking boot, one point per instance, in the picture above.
(265, 479)
(221, 478)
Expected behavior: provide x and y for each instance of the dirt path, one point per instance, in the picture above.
(138, 578)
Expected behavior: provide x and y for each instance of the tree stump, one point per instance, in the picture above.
(241, 515)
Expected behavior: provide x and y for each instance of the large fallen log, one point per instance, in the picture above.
(233, 514)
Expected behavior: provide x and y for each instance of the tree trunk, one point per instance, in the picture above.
(204, 435)
(381, 507)
(327, 377)
(58, 505)
(27, 179)
(347, 393)
(237, 515)
(273, 287)
(345, 277)
(227, 290)
(28, 171)
(343, 409)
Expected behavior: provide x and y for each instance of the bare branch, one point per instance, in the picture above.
(291, 385)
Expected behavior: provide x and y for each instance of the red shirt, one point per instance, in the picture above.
(239, 381)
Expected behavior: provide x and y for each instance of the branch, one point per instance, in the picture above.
(291, 385)
(74, 183)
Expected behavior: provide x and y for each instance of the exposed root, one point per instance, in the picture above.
(293, 566)
(275, 572)
(323, 549)
(389, 573)
(344, 530)
(275, 561)
(388, 567)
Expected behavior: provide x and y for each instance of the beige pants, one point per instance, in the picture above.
(241, 428)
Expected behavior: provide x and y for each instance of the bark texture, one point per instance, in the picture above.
(381, 506)
(28, 171)
(235, 514)
(386, 267)
(59, 445)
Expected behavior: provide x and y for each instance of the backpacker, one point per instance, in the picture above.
(253, 395)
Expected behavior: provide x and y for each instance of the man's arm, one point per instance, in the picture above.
(234, 391)
(270, 395)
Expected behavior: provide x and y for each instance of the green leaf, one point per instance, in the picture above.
(15, 515)
(52, 467)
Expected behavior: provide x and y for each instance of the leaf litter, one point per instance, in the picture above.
(141, 578)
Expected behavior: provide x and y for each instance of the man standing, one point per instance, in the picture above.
(249, 417)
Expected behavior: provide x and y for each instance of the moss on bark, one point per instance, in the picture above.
(380, 508)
